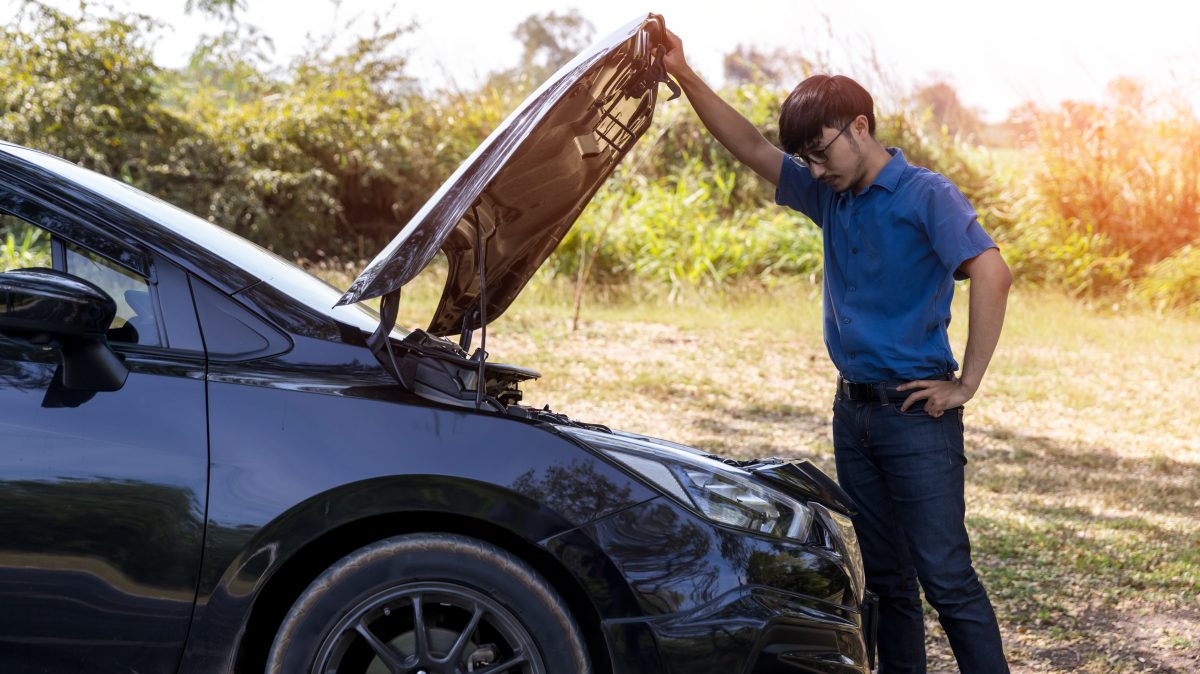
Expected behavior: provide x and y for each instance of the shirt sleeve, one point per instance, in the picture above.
(953, 226)
(799, 191)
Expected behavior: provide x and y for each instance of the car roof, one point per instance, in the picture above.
(224, 259)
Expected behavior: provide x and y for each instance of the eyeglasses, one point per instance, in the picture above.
(819, 156)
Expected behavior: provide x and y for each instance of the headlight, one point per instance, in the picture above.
(722, 493)
(734, 500)
(845, 543)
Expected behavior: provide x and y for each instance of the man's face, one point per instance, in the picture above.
(845, 163)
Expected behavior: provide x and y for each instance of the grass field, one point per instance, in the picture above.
(1084, 463)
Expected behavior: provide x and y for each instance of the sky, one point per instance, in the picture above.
(996, 54)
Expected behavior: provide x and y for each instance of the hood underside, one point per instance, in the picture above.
(518, 194)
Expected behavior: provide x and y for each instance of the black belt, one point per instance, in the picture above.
(884, 391)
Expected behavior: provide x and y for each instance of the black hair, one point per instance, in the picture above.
(818, 102)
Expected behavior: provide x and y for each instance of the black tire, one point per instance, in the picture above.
(479, 605)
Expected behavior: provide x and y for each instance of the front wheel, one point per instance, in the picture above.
(429, 604)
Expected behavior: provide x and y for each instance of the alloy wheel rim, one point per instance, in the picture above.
(429, 628)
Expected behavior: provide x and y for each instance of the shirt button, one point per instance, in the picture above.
(852, 289)
(854, 251)
(846, 320)
(854, 355)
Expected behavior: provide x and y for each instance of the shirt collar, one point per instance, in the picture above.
(889, 176)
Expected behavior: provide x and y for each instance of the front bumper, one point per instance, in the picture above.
(753, 631)
(679, 594)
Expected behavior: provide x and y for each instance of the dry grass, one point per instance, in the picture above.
(1084, 474)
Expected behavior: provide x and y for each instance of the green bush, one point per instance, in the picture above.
(1129, 168)
(1173, 282)
(681, 211)
(1070, 256)
(328, 157)
(22, 246)
(676, 233)
(85, 88)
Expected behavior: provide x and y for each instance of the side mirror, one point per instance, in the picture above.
(45, 306)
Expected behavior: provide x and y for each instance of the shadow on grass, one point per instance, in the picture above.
(803, 431)
(1042, 467)
(1087, 553)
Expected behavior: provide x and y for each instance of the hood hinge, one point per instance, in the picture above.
(380, 342)
(404, 370)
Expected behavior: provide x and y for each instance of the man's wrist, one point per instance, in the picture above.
(969, 384)
(686, 76)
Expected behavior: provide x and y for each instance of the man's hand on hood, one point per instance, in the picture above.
(674, 59)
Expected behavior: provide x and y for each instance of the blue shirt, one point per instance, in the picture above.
(891, 255)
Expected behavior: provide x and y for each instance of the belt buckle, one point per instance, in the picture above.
(861, 393)
(854, 391)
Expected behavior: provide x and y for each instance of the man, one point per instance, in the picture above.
(896, 236)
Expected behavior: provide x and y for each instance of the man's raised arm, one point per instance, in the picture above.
(727, 125)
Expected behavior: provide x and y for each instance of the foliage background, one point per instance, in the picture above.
(326, 158)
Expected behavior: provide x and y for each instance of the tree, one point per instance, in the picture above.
(779, 67)
(551, 40)
(941, 100)
(221, 9)
(84, 87)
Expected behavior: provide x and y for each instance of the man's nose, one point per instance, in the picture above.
(817, 170)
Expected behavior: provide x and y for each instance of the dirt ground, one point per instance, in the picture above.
(1084, 472)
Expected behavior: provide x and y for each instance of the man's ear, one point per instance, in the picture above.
(861, 126)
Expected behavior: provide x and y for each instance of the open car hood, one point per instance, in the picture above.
(519, 193)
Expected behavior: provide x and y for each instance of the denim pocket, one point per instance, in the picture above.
(917, 409)
(953, 429)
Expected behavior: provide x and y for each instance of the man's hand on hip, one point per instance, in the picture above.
(939, 395)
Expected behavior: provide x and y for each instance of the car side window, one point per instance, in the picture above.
(135, 322)
(23, 245)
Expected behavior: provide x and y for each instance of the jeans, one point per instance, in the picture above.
(904, 471)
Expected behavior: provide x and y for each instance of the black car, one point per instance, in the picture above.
(210, 461)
